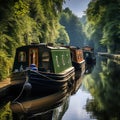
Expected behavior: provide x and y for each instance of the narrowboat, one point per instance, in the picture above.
(78, 63)
(89, 55)
(41, 69)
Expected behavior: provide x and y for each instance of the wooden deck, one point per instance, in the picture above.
(5, 83)
(4, 88)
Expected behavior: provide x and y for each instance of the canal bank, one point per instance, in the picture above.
(4, 87)
(111, 56)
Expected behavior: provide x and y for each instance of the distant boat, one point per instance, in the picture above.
(41, 69)
(78, 63)
(90, 59)
(89, 55)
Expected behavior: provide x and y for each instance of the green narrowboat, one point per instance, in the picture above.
(41, 68)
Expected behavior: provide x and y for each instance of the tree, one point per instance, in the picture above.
(23, 22)
(63, 36)
(105, 15)
(73, 27)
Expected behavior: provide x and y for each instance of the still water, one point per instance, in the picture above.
(97, 98)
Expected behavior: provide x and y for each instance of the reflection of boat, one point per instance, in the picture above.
(40, 68)
(78, 63)
(59, 112)
(89, 68)
(40, 105)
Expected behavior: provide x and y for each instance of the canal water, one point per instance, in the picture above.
(97, 98)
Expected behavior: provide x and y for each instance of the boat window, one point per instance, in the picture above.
(87, 55)
(22, 56)
(45, 60)
(33, 56)
(80, 56)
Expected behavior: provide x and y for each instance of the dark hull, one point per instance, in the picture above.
(79, 72)
(41, 104)
(90, 58)
(33, 83)
(79, 69)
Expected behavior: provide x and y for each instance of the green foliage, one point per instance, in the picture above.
(20, 8)
(95, 12)
(51, 24)
(6, 113)
(104, 86)
(23, 22)
(105, 15)
(63, 36)
(73, 27)
(5, 60)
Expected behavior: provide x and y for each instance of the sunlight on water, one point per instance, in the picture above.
(76, 110)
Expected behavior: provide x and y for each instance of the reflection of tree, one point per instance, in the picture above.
(104, 86)
(60, 111)
(5, 112)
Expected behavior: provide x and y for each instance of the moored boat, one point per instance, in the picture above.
(78, 63)
(89, 55)
(40, 69)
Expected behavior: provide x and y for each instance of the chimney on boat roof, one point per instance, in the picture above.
(43, 44)
(34, 43)
(50, 44)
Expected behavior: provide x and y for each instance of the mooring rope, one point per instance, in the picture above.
(21, 90)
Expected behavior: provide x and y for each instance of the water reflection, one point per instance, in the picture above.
(104, 85)
(55, 112)
(97, 98)
(76, 110)
(5, 112)
(40, 108)
(89, 68)
(60, 111)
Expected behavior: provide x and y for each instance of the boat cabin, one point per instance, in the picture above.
(76, 54)
(42, 57)
(89, 55)
(88, 48)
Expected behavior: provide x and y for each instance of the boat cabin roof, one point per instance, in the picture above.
(88, 48)
(76, 53)
(48, 58)
(41, 45)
